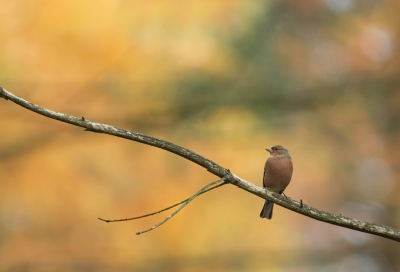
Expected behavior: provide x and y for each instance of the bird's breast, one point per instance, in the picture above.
(278, 173)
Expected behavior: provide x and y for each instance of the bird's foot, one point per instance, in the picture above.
(285, 196)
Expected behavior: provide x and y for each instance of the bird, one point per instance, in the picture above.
(278, 172)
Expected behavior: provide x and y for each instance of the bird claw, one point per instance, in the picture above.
(285, 196)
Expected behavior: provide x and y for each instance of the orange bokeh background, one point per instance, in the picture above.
(226, 79)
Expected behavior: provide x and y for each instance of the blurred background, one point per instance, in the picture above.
(226, 79)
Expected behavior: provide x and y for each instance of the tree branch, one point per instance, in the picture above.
(339, 220)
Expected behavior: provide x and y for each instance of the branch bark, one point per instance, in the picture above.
(301, 208)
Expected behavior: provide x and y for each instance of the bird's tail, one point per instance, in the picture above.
(266, 212)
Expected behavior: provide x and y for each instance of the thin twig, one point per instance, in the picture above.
(181, 207)
(160, 211)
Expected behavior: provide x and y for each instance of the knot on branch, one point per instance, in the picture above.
(93, 127)
(228, 177)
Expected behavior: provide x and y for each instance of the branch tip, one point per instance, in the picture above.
(2, 91)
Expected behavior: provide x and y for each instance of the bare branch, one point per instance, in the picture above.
(160, 211)
(181, 207)
(339, 220)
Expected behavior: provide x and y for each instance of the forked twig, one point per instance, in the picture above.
(181, 207)
(160, 211)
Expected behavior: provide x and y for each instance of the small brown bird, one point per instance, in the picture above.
(277, 175)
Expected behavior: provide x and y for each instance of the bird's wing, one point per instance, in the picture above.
(263, 177)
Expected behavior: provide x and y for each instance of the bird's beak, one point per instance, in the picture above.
(269, 150)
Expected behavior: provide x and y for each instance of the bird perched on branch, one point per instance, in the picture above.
(277, 175)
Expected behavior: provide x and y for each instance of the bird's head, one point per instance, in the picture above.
(278, 151)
